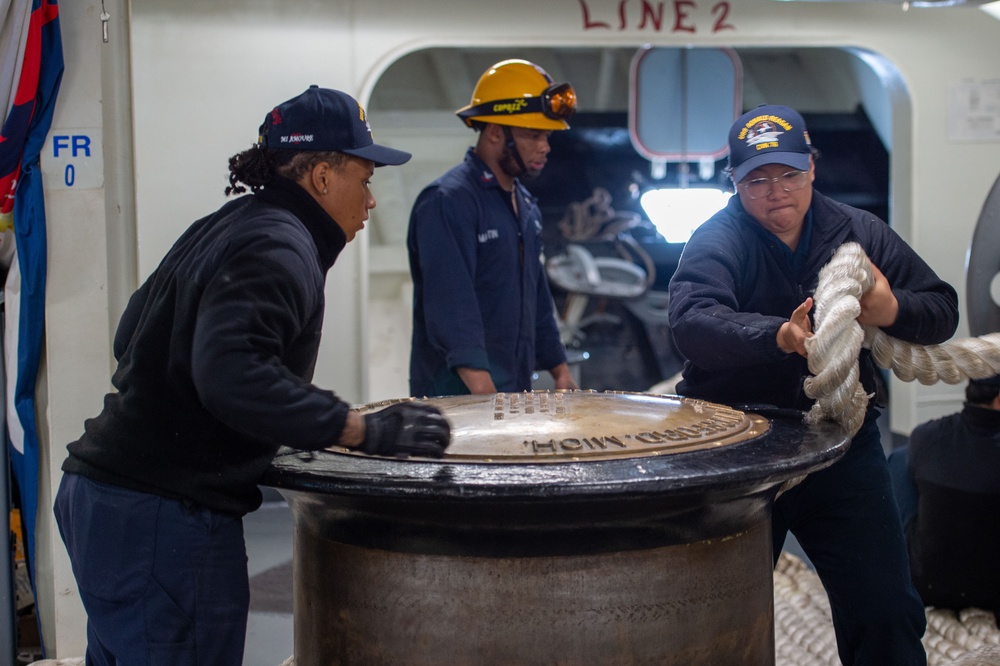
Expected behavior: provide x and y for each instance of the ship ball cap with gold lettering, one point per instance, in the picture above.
(768, 134)
(323, 119)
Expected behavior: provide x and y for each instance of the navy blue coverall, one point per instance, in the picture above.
(480, 296)
(736, 284)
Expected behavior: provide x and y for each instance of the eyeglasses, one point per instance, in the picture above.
(557, 102)
(758, 188)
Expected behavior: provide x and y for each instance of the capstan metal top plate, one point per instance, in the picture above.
(571, 426)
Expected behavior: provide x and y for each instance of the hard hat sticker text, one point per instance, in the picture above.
(512, 106)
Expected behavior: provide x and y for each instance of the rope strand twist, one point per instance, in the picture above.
(838, 338)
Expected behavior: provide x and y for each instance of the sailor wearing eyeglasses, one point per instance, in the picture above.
(483, 318)
(740, 304)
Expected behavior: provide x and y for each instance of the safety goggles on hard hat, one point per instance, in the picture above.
(557, 102)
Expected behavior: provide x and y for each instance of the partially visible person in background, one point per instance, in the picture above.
(947, 487)
(483, 316)
(216, 352)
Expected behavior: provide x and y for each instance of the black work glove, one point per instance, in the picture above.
(406, 429)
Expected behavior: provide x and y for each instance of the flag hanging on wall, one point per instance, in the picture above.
(32, 70)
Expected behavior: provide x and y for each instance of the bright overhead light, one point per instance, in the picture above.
(677, 212)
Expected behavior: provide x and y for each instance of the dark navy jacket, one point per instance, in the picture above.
(480, 297)
(215, 355)
(735, 286)
(954, 540)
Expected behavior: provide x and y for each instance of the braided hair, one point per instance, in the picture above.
(257, 166)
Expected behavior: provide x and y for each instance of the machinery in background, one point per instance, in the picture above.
(612, 307)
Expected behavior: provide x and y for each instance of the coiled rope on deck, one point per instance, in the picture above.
(838, 338)
(804, 636)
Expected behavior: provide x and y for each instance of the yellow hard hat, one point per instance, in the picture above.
(520, 94)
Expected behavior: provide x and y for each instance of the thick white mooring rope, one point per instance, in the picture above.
(838, 337)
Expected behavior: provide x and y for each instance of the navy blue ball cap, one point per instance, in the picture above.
(769, 134)
(322, 119)
(992, 382)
